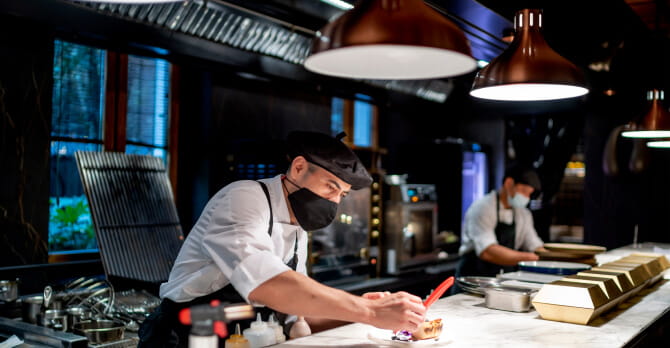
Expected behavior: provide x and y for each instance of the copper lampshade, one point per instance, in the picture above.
(654, 124)
(130, 1)
(390, 39)
(529, 69)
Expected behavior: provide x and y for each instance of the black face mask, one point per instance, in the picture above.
(311, 210)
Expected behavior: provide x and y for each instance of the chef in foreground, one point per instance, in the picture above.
(498, 231)
(250, 245)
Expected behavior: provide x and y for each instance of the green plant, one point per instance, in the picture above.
(73, 227)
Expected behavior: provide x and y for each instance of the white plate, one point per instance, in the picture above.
(530, 277)
(384, 339)
(583, 249)
(553, 267)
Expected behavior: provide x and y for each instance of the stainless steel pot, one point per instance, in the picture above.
(99, 331)
(54, 319)
(9, 290)
(31, 307)
(76, 315)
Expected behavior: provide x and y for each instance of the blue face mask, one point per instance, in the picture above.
(518, 201)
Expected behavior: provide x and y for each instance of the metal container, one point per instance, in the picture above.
(31, 307)
(54, 319)
(9, 290)
(76, 315)
(508, 299)
(99, 331)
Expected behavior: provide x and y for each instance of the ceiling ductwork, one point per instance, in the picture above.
(216, 22)
(247, 29)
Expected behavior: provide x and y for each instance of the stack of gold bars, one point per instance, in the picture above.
(582, 297)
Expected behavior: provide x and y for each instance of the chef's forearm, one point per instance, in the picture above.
(501, 255)
(294, 293)
(322, 324)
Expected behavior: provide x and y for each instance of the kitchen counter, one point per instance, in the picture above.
(468, 323)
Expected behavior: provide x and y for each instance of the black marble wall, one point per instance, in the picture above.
(26, 63)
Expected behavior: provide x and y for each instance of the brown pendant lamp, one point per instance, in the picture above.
(655, 123)
(529, 69)
(390, 40)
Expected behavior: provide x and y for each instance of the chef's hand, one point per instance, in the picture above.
(397, 311)
(375, 295)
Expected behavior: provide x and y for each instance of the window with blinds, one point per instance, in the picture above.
(79, 123)
(148, 106)
(360, 114)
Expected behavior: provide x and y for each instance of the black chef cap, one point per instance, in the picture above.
(522, 174)
(330, 154)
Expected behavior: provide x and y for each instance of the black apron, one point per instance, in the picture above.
(471, 265)
(163, 329)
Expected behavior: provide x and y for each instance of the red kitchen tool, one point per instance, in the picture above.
(439, 291)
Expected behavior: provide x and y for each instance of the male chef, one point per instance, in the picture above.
(250, 245)
(498, 231)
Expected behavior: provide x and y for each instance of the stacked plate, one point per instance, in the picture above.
(553, 267)
(476, 285)
(569, 252)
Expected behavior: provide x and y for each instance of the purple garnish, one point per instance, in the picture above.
(402, 335)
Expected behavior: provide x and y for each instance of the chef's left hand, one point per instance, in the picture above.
(375, 295)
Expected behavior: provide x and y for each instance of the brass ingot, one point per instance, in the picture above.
(652, 264)
(662, 259)
(571, 302)
(636, 275)
(618, 277)
(607, 285)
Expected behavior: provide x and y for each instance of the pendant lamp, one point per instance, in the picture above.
(661, 144)
(529, 69)
(390, 40)
(130, 1)
(655, 123)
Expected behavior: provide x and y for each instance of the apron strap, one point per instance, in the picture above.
(294, 261)
(267, 195)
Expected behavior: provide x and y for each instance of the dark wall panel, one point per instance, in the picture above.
(25, 116)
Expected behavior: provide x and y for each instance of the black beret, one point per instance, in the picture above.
(522, 174)
(330, 154)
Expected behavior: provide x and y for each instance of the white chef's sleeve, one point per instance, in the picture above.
(481, 225)
(531, 240)
(237, 239)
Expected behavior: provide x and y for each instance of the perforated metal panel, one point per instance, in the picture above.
(134, 214)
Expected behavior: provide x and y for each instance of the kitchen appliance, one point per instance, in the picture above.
(339, 250)
(464, 179)
(409, 238)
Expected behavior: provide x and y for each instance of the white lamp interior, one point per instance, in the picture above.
(647, 134)
(390, 62)
(659, 144)
(529, 92)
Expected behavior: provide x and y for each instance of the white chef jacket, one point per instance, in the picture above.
(480, 222)
(230, 243)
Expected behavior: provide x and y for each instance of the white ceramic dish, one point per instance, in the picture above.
(582, 249)
(384, 339)
(553, 267)
(530, 277)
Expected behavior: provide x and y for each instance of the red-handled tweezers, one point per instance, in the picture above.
(439, 291)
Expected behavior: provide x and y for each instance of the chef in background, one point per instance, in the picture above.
(498, 231)
(250, 245)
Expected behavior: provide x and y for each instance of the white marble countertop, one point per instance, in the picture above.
(468, 323)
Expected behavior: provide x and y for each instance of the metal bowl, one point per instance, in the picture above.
(476, 285)
(9, 290)
(99, 331)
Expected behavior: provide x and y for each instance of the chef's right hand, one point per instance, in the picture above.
(397, 311)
